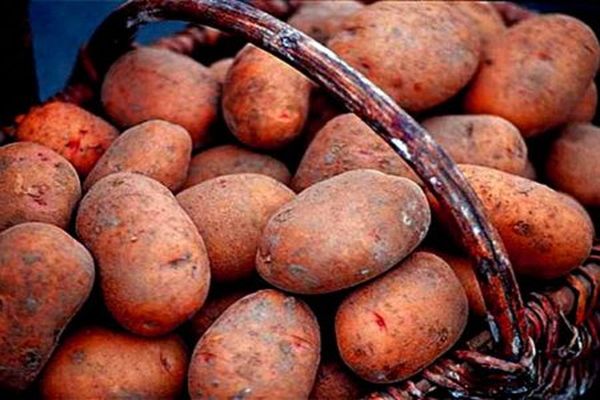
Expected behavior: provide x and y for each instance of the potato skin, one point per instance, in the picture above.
(535, 73)
(480, 140)
(485, 17)
(149, 83)
(45, 277)
(158, 149)
(393, 327)
(344, 144)
(138, 256)
(219, 69)
(230, 159)
(99, 363)
(36, 185)
(230, 213)
(321, 19)
(585, 110)
(419, 53)
(545, 234)
(71, 131)
(265, 346)
(265, 101)
(337, 233)
(335, 382)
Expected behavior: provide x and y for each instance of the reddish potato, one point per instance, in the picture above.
(321, 19)
(485, 17)
(220, 69)
(585, 110)
(335, 382)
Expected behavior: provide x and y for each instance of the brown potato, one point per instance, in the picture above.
(535, 73)
(485, 17)
(71, 131)
(335, 382)
(154, 271)
(149, 83)
(219, 69)
(36, 185)
(419, 53)
(344, 144)
(481, 140)
(158, 149)
(97, 363)
(45, 277)
(342, 231)
(395, 326)
(265, 101)
(585, 109)
(529, 172)
(545, 235)
(265, 346)
(321, 19)
(230, 159)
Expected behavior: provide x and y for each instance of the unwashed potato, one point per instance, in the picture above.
(158, 149)
(335, 382)
(545, 234)
(585, 110)
(419, 53)
(97, 363)
(342, 231)
(395, 326)
(536, 73)
(321, 19)
(346, 143)
(230, 213)
(45, 277)
(36, 184)
(149, 83)
(265, 101)
(219, 69)
(485, 17)
(265, 346)
(481, 140)
(152, 261)
(71, 131)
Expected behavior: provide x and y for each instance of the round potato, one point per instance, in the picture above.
(321, 19)
(485, 17)
(219, 69)
(335, 382)
(585, 109)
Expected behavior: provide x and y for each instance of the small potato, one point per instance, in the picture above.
(97, 363)
(321, 19)
(480, 140)
(149, 83)
(154, 272)
(230, 159)
(265, 101)
(342, 231)
(158, 149)
(71, 131)
(545, 234)
(536, 73)
(335, 382)
(344, 144)
(485, 17)
(220, 69)
(585, 109)
(393, 327)
(45, 277)
(36, 185)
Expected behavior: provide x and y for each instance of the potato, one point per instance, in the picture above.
(529, 172)
(45, 277)
(265, 346)
(36, 185)
(230, 213)
(342, 231)
(419, 53)
(393, 327)
(572, 164)
(98, 363)
(481, 140)
(71, 131)
(219, 69)
(485, 18)
(158, 149)
(321, 19)
(545, 235)
(154, 272)
(149, 83)
(536, 73)
(230, 159)
(334, 382)
(346, 143)
(265, 101)
(585, 109)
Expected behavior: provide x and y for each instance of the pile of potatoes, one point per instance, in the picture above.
(230, 232)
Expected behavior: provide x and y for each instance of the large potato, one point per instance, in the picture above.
(585, 109)
(45, 277)
(153, 266)
(265, 346)
(321, 19)
(342, 231)
(36, 185)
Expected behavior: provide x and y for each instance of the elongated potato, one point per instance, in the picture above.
(265, 346)
(154, 271)
(45, 277)
(585, 109)
(321, 19)
(99, 363)
(158, 149)
(395, 326)
(335, 382)
(36, 185)
(342, 231)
